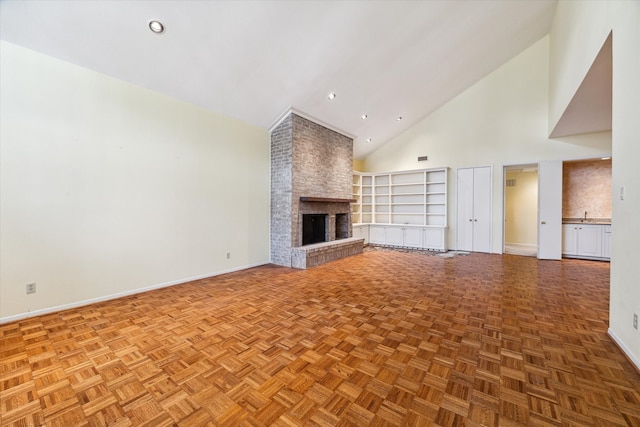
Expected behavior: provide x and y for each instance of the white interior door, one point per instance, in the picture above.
(482, 209)
(464, 216)
(550, 209)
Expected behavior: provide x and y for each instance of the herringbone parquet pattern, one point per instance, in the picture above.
(382, 338)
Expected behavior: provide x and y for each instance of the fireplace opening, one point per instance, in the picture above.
(314, 228)
(342, 226)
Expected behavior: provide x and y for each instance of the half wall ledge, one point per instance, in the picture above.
(319, 253)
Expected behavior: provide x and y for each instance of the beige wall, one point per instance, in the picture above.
(578, 32)
(107, 188)
(586, 187)
(625, 269)
(521, 208)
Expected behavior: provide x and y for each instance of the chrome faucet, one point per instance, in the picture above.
(585, 215)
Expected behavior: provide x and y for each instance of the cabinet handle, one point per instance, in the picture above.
(543, 222)
(470, 220)
(475, 220)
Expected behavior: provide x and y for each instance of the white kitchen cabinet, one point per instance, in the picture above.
(585, 240)
(606, 241)
(474, 209)
(569, 239)
(590, 240)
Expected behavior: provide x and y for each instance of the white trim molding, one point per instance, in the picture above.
(304, 115)
(624, 348)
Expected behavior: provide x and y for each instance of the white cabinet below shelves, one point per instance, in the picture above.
(429, 238)
(589, 241)
(377, 235)
(361, 232)
(413, 237)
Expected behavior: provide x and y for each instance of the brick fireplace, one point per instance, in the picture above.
(311, 174)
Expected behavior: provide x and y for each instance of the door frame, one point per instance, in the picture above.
(506, 167)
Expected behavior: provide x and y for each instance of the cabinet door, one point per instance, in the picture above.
(434, 239)
(464, 217)
(361, 232)
(569, 239)
(590, 240)
(395, 236)
(413, 237)
(606, 241)
(377, 235)
(482, 209)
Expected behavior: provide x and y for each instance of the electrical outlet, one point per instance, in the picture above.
(635, 321)
(31, 288)
(228, 255)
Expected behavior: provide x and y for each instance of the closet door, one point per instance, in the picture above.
(474, 209)
(482, 209)
(464, 203)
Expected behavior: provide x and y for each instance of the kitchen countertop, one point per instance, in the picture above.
(595, 221)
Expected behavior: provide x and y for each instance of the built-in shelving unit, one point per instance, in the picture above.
(405, 199)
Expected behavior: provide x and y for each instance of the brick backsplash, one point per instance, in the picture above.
(586, 186)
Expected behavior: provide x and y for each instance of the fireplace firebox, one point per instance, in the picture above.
(314, 228)
(342, 226)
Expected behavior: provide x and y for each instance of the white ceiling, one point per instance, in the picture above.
(254, 60)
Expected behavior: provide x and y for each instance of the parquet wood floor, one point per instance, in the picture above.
(380, 339)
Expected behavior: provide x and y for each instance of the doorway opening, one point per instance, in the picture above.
(520, 236)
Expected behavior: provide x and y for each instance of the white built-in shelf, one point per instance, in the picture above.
(409, 199)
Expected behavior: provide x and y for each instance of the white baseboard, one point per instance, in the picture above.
(521, 245)
(624, 349)
(49, 310)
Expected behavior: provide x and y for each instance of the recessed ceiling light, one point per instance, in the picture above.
(156, 26)
(368, 140)
(332, 95)
(363, 117)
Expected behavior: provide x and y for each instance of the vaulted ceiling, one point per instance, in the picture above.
(255, 60)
